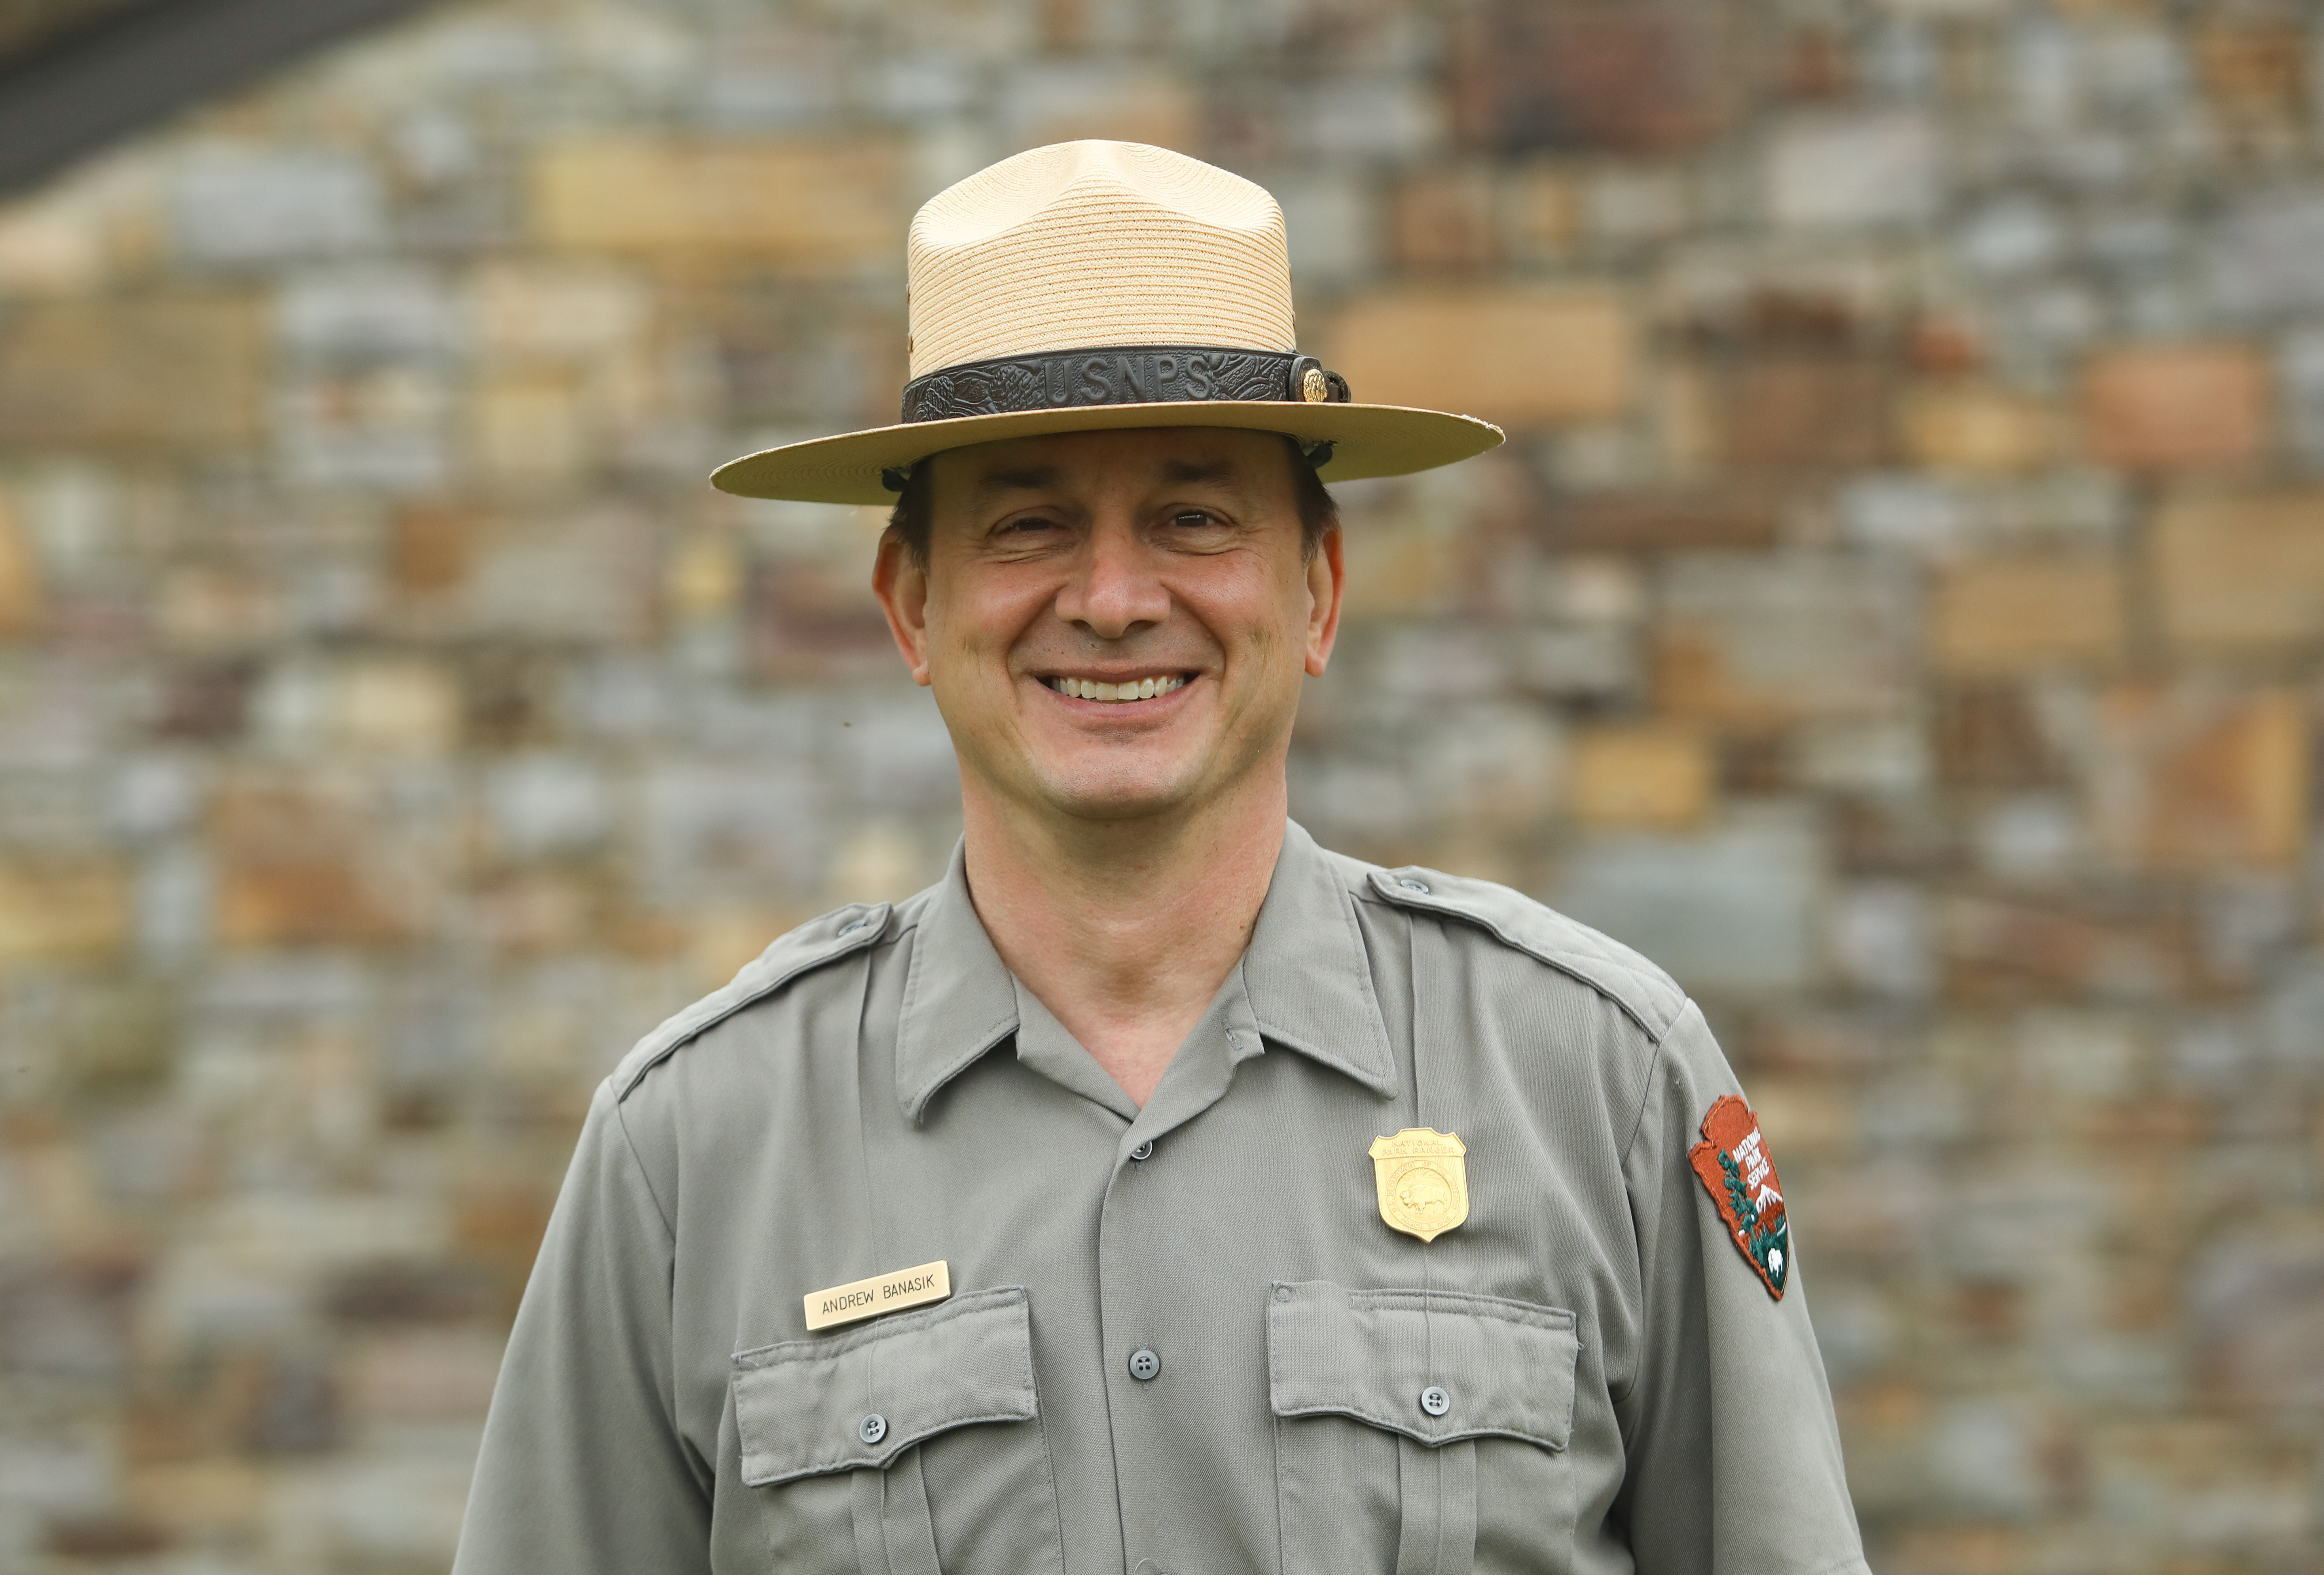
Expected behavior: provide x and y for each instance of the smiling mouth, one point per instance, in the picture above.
(1148, 688)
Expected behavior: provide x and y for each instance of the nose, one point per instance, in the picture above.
(1112, 589)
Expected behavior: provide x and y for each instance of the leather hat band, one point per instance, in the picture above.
(1123, 375)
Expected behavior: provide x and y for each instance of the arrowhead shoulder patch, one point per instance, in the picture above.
(1739, 1173)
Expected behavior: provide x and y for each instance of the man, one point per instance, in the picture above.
(1158, 1192)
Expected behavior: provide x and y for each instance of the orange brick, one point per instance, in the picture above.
(1524, 356)
(2021, 615)
(20, 575)
(1977, 427)
(2177, 407)
(290, 870)
(1649, 774)
(815, 203)
(2241, 572)
(2192, 779)
(2254, 65)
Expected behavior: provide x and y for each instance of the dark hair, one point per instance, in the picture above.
(914, 515)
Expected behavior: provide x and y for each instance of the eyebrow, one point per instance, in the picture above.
(1041, 477)
(1030, 478)
(1184, 471)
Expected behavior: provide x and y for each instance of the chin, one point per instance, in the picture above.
(1118, 794)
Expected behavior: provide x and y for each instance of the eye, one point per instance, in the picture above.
(1194, 519)
(1027, 524)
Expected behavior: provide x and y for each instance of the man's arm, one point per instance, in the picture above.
(1734, 1462)
(583, 1468)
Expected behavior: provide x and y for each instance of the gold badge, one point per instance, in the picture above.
(1423, 1181)
(913, 1287)
(1312, 386)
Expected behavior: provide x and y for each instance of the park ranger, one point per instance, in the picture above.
(1159, 1193)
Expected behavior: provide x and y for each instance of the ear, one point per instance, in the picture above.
(1327, 579)
(902, 586)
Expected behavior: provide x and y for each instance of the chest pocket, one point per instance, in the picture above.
(913, 1443)
(1431, 1423)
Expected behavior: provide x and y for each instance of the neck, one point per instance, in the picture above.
(1124, 930)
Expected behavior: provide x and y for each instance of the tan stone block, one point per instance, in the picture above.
(528, 429)
(562, 311)
(1521, 356)
(1784, 410)
(538, 913)
(2241, 572)
(2020, 615)
(815, 203)
(1443, 220)
(396, 705)
(202, 608)
(1649, 774)
(2193, 779)
(704, 577)
(76, 234)
(1753, 641)
(2177, 407)
(20, 575)
(176, 373)
(56, 911)
(1402, 569)
(202, 1498)
(1979, 428)
(1805, 1116)
(1541, 210)
(1145, 107)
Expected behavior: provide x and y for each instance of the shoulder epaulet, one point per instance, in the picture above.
(1649, 997)
(812, 945)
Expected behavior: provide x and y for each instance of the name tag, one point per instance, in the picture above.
(881, 1293)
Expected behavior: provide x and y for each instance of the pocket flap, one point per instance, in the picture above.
(1506, 1368)
(800, 1406)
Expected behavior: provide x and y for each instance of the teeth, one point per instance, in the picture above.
(1141, 689)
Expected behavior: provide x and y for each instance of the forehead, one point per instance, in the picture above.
(1253, 463)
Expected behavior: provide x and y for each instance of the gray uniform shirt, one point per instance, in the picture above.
(1587, 1374)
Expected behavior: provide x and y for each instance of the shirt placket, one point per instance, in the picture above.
(1147, 1414)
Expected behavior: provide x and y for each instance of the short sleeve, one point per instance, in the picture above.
(583, 1469)
(1733, 1453)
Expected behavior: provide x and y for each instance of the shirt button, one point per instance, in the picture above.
(873, 1428)
(1434, 1401)
(1412, 885)
(1144, 1364)
(1144, 1151)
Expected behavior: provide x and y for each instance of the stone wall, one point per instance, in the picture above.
(1897, 610)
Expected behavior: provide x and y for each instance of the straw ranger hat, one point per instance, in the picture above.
(1094, 284)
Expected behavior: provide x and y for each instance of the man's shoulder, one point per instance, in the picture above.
(1647, 994)
(791, 958)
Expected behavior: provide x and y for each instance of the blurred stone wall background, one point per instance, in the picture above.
(1897, 610)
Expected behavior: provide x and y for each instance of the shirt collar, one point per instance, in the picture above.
(1304, 979)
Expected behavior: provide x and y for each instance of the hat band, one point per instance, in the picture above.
(1123, 374)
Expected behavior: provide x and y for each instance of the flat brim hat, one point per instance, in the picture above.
(1101, 285)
